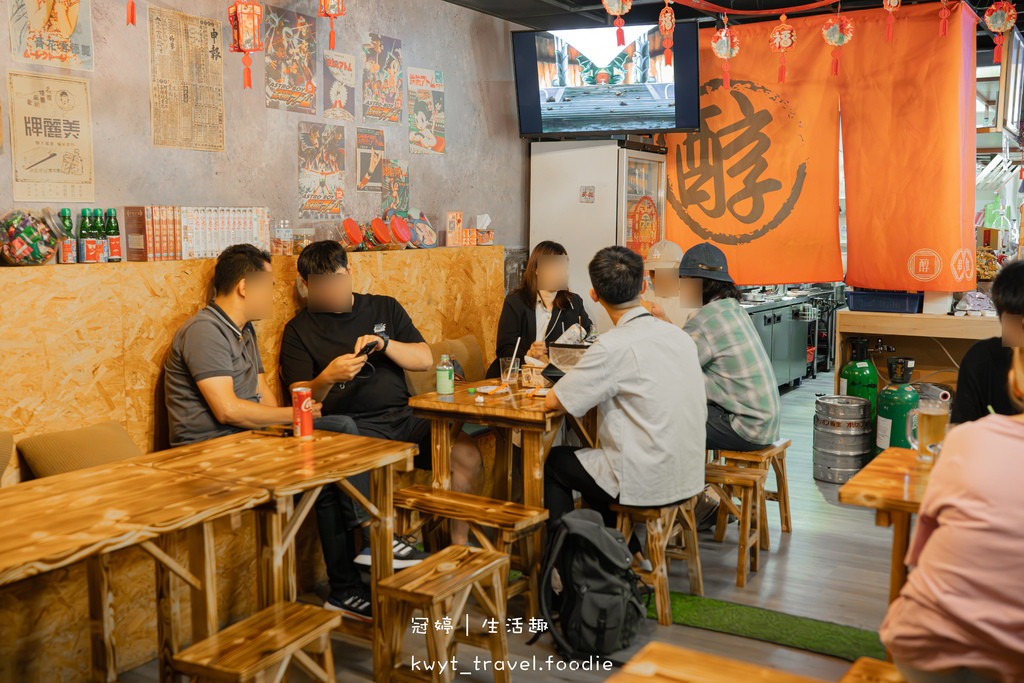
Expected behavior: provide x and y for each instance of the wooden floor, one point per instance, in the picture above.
(834, 567)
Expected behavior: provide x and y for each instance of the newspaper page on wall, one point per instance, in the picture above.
(426, 111)
(382, 79)
(290, 40)
(339, 86)
(186, 81)
(51, 138)
(321, 170)
(370, 159)
(52, 32)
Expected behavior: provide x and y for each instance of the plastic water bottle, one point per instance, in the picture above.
(445, 376)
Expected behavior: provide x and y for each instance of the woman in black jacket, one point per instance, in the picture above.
(523, 307)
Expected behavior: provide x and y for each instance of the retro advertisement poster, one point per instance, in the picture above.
(51, 32)
(383, 79)
(394, 193)
(51, 138)
(339, 86)
(290, 41)
(370, 157)
(426, 111)
(321, 170)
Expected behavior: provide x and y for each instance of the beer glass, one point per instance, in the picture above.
(932, 422)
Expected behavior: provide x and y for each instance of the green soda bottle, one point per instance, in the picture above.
(68, 247)
(113, 234)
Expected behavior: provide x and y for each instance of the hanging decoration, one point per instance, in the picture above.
(782, 39)
(943, 19)
(837, 31)
(1000, 18)
(890, 6)
(617, 8)
(667, 26)
(726, 45)
(246, 37)
(332, 9)
(131, 13)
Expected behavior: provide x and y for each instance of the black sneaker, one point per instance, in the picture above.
(355, 603)
(405, 554)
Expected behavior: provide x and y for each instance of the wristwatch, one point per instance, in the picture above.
(387, 341)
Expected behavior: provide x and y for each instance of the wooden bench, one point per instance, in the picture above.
(868, 670)
(746, 484)
(439, 587)
(773, 456)
(260, 648)
(664, 663)
(512, 523)
(662, 529)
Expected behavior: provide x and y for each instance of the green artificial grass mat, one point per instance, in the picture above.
(822, 637)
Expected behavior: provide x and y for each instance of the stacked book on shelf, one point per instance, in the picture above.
(172, 233)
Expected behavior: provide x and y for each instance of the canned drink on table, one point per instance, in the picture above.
(302, 412)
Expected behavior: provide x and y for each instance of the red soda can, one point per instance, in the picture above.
(302, 412)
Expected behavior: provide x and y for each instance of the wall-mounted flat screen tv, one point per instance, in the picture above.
(580, 82)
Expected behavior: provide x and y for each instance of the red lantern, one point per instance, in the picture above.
(726, 45)
(1000, 18)
(131, 13)
(943, 19)
(618, 8)
(332, 9)
(782, 39)
(890, 6)
(837, 31)
(246, 37)
(667, 26)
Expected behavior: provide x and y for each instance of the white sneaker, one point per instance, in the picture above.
(404, 554)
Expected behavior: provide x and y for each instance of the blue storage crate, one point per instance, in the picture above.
(885, 302)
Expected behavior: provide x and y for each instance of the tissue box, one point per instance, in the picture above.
(484, 237)
(530, 376)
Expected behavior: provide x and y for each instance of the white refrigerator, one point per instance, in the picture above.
(587, 195)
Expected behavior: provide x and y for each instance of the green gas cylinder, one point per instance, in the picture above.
(859, 377)
(895, 404)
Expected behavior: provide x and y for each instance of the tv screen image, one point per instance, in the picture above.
(580, 81)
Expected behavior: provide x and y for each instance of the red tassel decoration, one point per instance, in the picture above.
(888, 27)
(131, 13)
(943, 20)
(782, 39)
(998, 56)
(835, 61)
(1000, 18)
(246, 72)
(667, 26)
(726, 81)
(330, 40)
(668, 56)
(782, 68)
(620, 35)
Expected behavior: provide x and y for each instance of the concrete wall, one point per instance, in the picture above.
(485, 169)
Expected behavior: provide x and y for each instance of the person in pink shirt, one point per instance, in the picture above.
(960, 616)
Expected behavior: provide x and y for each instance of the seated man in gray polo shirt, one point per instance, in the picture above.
(215, 386)
(645, 377)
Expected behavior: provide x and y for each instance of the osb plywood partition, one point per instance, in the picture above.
(86, 343)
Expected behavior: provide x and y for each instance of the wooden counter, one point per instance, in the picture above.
(914, 335)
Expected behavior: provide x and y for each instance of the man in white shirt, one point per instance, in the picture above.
(645, 376)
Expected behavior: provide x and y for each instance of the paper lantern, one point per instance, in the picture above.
(667, 26)
(131, 13)
(618, 8)
(782, 39)
(837, 31)
(890, 6)
(246, 37)
(332, 9)
(1000, 18)
(726, 45)
(943, 19)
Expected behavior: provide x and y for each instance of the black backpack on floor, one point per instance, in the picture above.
(602, 597)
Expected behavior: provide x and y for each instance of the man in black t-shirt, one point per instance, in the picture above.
(320, 349)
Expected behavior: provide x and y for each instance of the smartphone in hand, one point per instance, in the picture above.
(365, 351)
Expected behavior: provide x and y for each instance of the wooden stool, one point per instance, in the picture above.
(261, 647)
(661, 530)
(439, 587)
(512, 522)
(868, 670)
(775, 457)
(746, 484)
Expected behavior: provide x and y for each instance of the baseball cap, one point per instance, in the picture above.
(707, 261)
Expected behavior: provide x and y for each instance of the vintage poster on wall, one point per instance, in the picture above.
(394, 193)
(51, 32)
(186, 81)
(370, 158)
(321, 170)
(382, 79)
(290, 41)
(426, 111)
(339, 86)
(51, 138)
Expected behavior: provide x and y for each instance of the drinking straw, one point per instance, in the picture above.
(508, 374)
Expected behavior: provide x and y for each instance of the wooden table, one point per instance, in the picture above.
(284, 467)
(663, 663)
(87, 514)
(893, 484)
